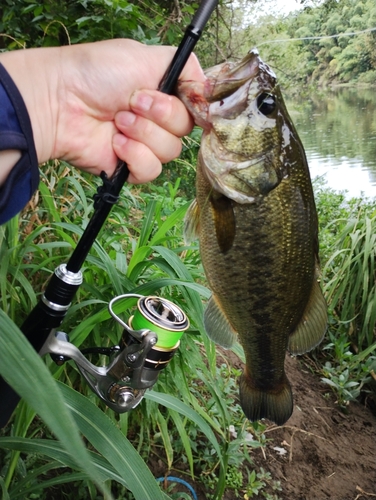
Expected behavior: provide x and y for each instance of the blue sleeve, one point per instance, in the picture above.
(16, 133)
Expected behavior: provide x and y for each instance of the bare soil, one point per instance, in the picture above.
(322, 453)
(330, 454)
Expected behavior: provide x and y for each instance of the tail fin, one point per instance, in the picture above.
(275, 404)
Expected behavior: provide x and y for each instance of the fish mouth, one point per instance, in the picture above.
(227, 78)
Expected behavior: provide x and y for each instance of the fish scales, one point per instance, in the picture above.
(258, 233)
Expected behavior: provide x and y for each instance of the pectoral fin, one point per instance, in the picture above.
(217, 325)
(192, 222)
(311, 329)
(224, 220)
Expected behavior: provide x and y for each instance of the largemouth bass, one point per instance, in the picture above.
(256, 221)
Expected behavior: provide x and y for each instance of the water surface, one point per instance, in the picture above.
(338, 131)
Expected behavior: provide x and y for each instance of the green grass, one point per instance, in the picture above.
(348, 237)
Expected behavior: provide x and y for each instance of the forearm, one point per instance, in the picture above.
(35, 72)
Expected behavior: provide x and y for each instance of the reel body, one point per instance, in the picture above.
(149, 341)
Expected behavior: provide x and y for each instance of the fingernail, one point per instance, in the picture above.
(140, 100)
(119, 140)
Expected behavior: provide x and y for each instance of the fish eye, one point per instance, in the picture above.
(266, 103)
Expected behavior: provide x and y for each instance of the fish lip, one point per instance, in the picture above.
(191, 94)
(226, 78)
(234, 194)
(265, 183)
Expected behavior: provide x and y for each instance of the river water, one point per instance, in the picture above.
(338, 131)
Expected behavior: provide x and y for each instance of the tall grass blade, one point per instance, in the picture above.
(17, 361)
(175, 404)
(5, 495)
(55, 451)
(163, 429)
(168, 224)
(148, 223)
(49, 202)
(111, 443)
(349, 277)
(184, 438)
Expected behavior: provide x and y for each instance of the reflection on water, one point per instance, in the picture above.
(338, 131)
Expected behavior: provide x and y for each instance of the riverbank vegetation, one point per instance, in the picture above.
(337, 43)
(191, 423)
(332, 43)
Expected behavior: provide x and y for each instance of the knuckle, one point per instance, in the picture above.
(173, 151)
(146, 128)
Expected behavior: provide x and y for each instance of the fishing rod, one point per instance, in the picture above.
(152, 335)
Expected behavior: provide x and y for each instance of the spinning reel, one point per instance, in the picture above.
(149, 341)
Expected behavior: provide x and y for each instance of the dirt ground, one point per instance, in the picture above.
(322, 453)
(330, 455)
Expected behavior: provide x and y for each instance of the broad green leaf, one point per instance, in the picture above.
(140, 254)
(152, 286)
(111, 443)
(54, 450)
(239, 351)
(53, 404)
(17, 361)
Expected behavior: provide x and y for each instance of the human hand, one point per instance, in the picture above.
(87, 105)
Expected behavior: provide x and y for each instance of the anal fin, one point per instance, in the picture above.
(311, 329)
(217, 325)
